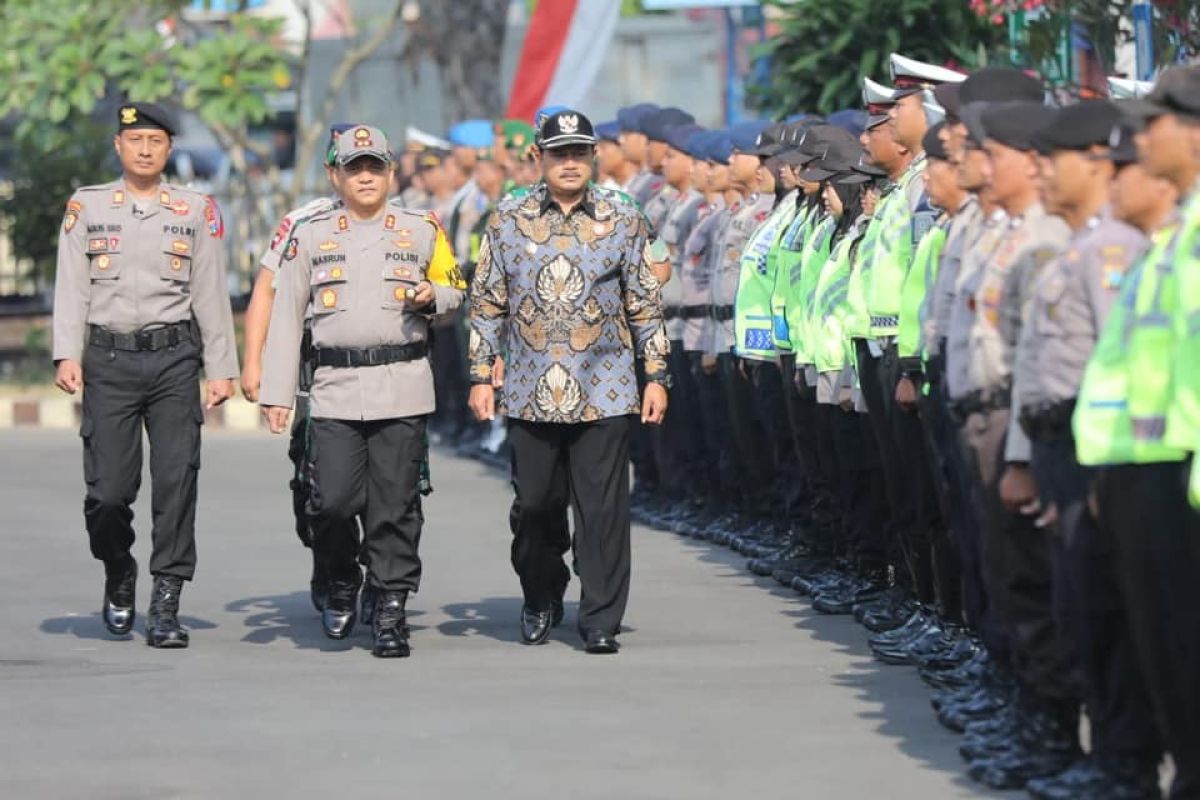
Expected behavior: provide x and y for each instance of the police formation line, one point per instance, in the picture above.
(932, 365)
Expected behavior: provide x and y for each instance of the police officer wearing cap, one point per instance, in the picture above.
(140, 303)
(564, 287)
(371, 277)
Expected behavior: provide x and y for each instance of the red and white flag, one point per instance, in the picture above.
(563, 51)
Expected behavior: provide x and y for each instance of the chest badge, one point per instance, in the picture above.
(328, 245)
(180, 246)
(176, 263)
(328, 298)
(335, 273)
(343, 224)
(98, 245)
(103, 262)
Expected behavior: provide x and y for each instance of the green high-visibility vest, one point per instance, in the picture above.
(858, 324)
(1121, 411)
(752, 307)
(1194, 484)
(1183, 415)
(909, 341)
(893, 253)
(787, 276)
(801, 312)
(828, 330)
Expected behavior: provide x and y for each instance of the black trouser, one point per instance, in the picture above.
(749, 441)
(942, 458)
(450, 387)
(1092, 611)
(586, 465)
(877, 377)
(369, 469)
(677, 448)
(860, 484)
(646, 479)
(1157, 536)
(123, 393)
(717, 470)
(1019, 570)
(809, 476)
(770, 412)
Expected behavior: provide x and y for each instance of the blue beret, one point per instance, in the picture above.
(678, 135)
(699, 143)
(745, 134)
(544, 113)
(720, 148)
(472, 133)
(850, 120)
(657, 125)
(631, 118)
(608, 131)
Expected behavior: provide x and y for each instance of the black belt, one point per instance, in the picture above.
(977, 402)
(695, 312)
(145, 339)
(670, 312)
(368, 356)
(722, 313)
(1048, 421)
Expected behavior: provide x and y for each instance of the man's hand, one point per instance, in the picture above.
(906, 394)
(846, 399)
(251, 380)
(69, 376)
(1018, 491)
(654, 404)
(498, 373)
(708, 363)
(217, 392)
(277, 417)
(424, 297)
(482, 402)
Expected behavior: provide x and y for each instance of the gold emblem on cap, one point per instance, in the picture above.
(128, 115)
(362, 133)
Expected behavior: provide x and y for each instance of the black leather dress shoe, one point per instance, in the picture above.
(600, 643)
(120, 590)
(367, 601)
(390, 625)
(338, 617)
(162, 618)
(536, 625)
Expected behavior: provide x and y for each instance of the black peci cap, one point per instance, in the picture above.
(1015, 124)
(131, 116)
(999, 85)
(566, 128)
(1078, 126)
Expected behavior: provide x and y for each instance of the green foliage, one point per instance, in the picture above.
(42, 182)
(60, 58)
(825, 47)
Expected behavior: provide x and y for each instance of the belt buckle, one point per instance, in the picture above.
(143, 339)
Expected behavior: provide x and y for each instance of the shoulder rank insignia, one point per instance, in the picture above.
(118, 197)
(165, 198)
(343, 223)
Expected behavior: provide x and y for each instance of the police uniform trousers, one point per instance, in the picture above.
(877, 377)
(1091, 610)
(940, 447)
(717, 473)
(677, 448)
(810, 482)
(646, 479)
(584, 465)
(848, 438)
(368, 468)
(749, 441)
(125, 392)
(770, 412)
(1018, 569)
(1157, 537)
(449, 387)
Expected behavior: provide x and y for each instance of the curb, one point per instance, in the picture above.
(62, 413)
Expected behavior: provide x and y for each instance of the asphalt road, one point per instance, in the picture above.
(726, 686)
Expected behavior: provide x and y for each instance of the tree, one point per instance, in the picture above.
(825, 47)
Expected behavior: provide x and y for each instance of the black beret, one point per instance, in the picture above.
(932, 143)
(656, 125)
(131, 116)
(947, 96)
(1079, 126)
(1015, 124)
(999, 85)
(1121, 148)
(1177, 91)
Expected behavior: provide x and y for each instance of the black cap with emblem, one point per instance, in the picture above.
(1014, 124)
(1078, 126)
(564, 128)
(131, 116)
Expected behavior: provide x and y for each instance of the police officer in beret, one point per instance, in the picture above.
(140, 304)
(370, 276)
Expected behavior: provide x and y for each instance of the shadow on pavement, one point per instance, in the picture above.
(903, 712)
(291, 617)
(91, 626)
(499, 618)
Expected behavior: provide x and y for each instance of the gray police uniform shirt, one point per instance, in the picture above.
(1070, 305)
(695, 274)
(644, 186)
(351, 276)
(939, 301)
(681, 218)
(659, 206)
(125, 268)
(744, 218)
(979, 248)
(572, 301)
